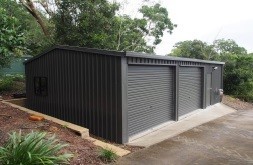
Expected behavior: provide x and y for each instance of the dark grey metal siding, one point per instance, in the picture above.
(216, 84)
(150, 97)
(190, 89)
(83, 88)
(208, 89)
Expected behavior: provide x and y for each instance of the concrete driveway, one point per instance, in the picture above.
(226, 140)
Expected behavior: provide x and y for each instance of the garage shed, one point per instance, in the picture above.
(119, 95)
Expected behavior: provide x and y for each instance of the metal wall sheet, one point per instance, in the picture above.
(216, 83)
(190, 89)
(83, 88)
(150, 97)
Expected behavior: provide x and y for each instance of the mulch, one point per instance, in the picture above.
(13, 119)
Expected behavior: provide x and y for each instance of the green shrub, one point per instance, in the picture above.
(107, 155)
(247, 97)
(6, 83)
(32, 149)
(18, 77)
(9, 83)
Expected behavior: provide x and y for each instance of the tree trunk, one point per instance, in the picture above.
(31, 9)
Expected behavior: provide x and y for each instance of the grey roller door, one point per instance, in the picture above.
(150, 97)
(190, 90)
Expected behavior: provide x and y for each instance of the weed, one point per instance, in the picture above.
(107, 155)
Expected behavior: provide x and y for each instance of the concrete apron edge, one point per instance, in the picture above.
(84, 132)
(185, 118)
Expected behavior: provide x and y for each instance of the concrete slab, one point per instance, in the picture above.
(175, 128)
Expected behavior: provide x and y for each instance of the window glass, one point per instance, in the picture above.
(37, 85)
(43, 86)
(40, 86)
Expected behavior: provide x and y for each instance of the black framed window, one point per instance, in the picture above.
(40, 86)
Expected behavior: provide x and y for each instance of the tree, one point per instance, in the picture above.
(30, 7)
(95, 24)
(85, 23)
(238, 75)
(143, 34)
(34, 37)
(89, 23)
(194, 49)
(11, 38)
(228, 46)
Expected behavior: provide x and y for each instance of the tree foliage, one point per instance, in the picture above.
(85, 23)
(228, 46)
(238, 73)
(11, 38)
(194, 49)
(141, 34)
(34, 39)
(95, 24)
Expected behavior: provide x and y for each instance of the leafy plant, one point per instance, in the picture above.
(33, 149)
(11, 83)
(6, 83)
(11, 38)
(18, 77)
(107, 155)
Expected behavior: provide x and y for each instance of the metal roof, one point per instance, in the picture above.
(120, 53)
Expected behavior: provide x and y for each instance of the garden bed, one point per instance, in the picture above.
(12, 119)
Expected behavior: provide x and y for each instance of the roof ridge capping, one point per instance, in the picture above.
(154, 56)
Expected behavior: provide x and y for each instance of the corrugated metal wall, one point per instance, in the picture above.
(83, 88)
(190, 89)
(150, 97)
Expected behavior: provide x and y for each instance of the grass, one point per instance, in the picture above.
(65, 126)
(33, 149)
(107, 155)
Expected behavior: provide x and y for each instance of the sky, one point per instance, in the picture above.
(205, 20)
